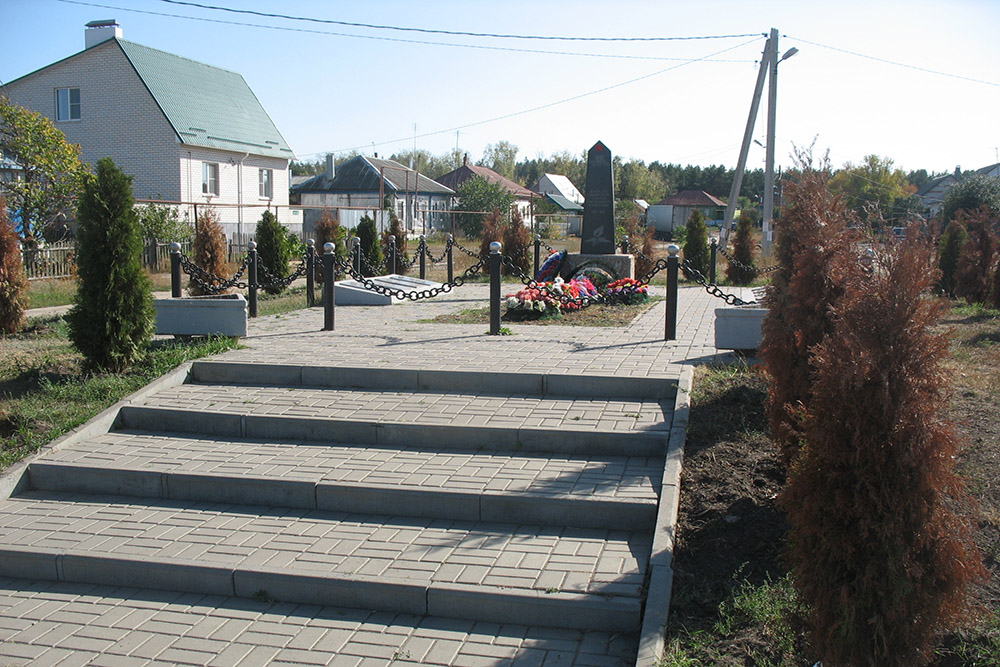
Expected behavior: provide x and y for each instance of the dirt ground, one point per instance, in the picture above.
(730, 531)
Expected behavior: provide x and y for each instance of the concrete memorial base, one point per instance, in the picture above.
(222, 315)
(738, 327)
(353, 293)
(620, 266)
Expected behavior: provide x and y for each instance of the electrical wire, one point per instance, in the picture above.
(457, 33)
(482, 47)
(893, 62)
(539, 107)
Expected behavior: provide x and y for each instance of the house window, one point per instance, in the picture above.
(210, 178)
(67, 104)
(265, 182)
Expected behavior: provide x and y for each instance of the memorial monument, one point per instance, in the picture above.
(597, 246)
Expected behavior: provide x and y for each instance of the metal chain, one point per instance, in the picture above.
(712, 289)
(658, 266)
(749, 268)
(638, 251)
(368, 284)
(444, 255)
(271, 280)
(211, 283)
(467, 251)
(547, 246)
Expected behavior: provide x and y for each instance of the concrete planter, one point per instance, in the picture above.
(223, 315)
(738, 328)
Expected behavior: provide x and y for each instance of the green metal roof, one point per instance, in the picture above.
(207, 106)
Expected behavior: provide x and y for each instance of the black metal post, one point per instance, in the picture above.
(670, 328)
(538, 253)
(252, 281)
(328, 288)
(624, 245)
(495, 259)
(392, 254)
(356, 254)
(451, 265)
(711, 266)
(422, 249)
(310, 273)
(175, 270)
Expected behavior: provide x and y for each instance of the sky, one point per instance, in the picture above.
(917, 82)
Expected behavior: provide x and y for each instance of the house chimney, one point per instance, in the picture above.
(330, 170)
(465, 160)
(958, 171)
(98, 32)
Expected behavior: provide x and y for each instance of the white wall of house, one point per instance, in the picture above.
(144, 145)
(108, 84)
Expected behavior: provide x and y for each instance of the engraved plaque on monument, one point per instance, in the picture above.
(598, 237)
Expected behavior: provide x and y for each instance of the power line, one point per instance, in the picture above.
(457, 33)
(893, 62)
(540, 107)
(389, 39)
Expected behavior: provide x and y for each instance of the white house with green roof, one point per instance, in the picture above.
(186, 131)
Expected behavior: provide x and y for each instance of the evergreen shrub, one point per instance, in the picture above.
(950, 247)
(273, 253)
(741, 272)
(371, 249)
(399, 234)
(518, 245)
(112, 320)
(974, 271)
(696, 253)
(328, 230)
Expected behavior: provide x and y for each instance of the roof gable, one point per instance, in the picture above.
(692, 198)
(361, 174)
(207, 106)
(453, 179)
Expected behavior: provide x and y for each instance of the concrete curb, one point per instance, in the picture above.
(488, 506)
(401, 379)
(654, 620)
(15, 480)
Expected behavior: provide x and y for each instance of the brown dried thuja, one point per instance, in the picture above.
(877, 552)
(209, 250)
(811, 233)
(13, 283)
(976, 261)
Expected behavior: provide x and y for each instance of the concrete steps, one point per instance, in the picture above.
(412, 492)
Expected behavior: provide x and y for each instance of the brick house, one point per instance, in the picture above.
(186, 131)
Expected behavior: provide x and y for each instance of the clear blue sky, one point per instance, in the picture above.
(331, 92)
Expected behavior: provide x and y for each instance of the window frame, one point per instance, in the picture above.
(265, 183)
(70, 105)
(210, 179)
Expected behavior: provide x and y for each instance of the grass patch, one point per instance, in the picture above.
(289, 300)
(44, 393)
(598, 315)
(62, 291)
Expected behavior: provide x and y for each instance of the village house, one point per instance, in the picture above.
(186, 131)
(524, 199)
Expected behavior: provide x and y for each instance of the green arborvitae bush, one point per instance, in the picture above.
(880, 551)
(738, 272)
(399, 235)
(371, 249)
(13, 283)
(208, 250)
(974, 270)
(112, 321)
(950, 247)
(696, 253)
(273, 253)
(813, 231)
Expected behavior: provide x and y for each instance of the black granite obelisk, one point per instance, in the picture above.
(599, 206)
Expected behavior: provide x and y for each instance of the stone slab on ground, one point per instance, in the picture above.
(353, 293)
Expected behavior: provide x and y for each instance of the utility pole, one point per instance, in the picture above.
(772, 102)
(741, 165)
